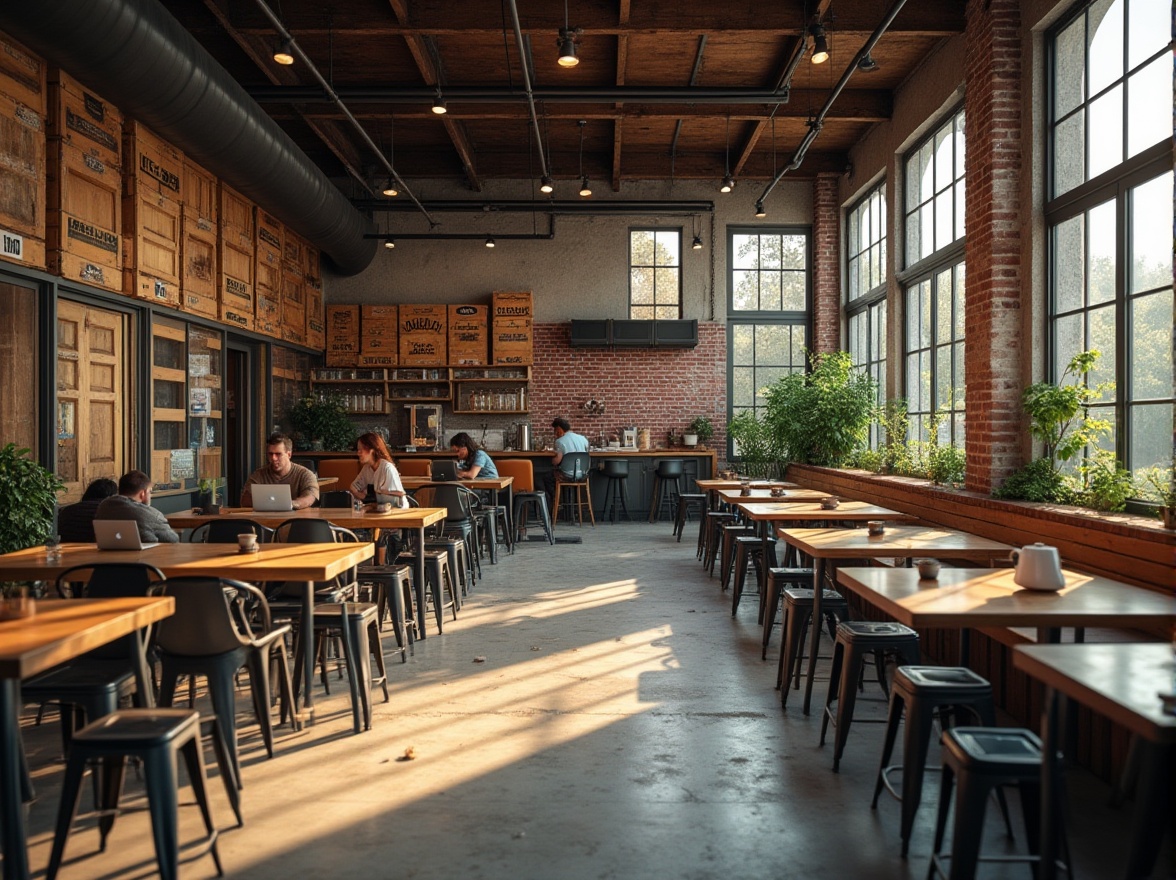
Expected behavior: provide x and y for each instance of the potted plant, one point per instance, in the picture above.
(1161, 488)
(321, 422)
(28, 498)
(757, 449)
(209, 495)
(698, 431)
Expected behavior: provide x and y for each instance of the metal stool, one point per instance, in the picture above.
(392, 592)
(727, 556)
(715, 520)
(858, 638)
(361, 642)
(580, 500)
(459, 560)
(668, 475)
(686, 500)
(920, 691)
(749, 552)
(776, 578)
(798, 614)
(526, 503)
(703, 524)
(982, 758)
(157, 737)
(616, 471)
(438, 579)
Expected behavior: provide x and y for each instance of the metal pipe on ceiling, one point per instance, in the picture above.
(497, 95)
(518, 32)
(138, 57)
(618, 207)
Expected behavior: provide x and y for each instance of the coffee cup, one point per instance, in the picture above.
(247, 541)
(777, 491)
(830, 503)
(875, 527)
(928, 568)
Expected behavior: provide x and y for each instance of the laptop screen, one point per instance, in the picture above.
(119, 534)
(443, 471)
(275, 497)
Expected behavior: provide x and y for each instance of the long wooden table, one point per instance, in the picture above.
(61, 630)
(418, 518)
(1121, 682)
(712, 487)
(307, 563)
(825, 545)
(765, 496)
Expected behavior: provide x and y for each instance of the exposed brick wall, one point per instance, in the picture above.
(655, 388)
(826, 264)
(992, 106)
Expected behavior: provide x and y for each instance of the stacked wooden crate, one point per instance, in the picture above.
(198, 242)
(293, 287)
(316, 336)
(23, 104)
(468, 335)
(235, 257)
(342, 336)
(153, 194)
(83, 228)
(512, 327)
(424, 335)
(380, 335)
(267, 272)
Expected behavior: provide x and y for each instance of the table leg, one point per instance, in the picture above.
(306, 634)
(814, 630)
(420, 582)
(12, 819)
(1050, 769)
(144, 681)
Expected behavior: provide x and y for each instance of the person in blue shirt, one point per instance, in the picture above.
(472, 461)
(566, 440)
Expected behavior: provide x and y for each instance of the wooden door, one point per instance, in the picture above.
(92, 382)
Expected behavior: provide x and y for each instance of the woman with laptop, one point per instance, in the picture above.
(378, 474)
(472, 461)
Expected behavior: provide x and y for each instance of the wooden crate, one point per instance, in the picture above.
(22, 158)
(380, 334)
(293, 292)
(22, 76)
(22, 249)
(469, 335)
(316, 332)
(512, 341)
(83, 120)
(314, 268)
(152, 164)
(423, 335)
(267, 314)
(294, 331)
(512, 304)
(197, 268)
(267, 243)
(234, 216)
(199, 197)
(83, 217)
(342, 348)
(235, 285)
(293, 251)
(151, 246)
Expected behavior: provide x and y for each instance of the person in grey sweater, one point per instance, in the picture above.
(133, 502)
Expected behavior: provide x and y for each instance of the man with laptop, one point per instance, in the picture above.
(133, 502)
(280, 471)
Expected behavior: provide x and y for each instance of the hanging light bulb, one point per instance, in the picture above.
(820, 44)
(546, 185)
(728, 184)
(439, 105)
(697, 243)
(490, 241)
(759, 210)
(390, 189)
(585, 189)
(568, 37)
(390, 244)
(283, 53)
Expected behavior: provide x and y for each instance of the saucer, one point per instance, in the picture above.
(253, 549)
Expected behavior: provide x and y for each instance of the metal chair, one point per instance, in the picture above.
(525, 499)
(226, 530)
(580, 465)
(337, 498)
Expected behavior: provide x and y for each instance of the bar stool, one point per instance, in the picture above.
(686, 500)
(715, 520)
(527, 504)
(798, 614)
(920, 691)
(749, 552)
(157, 737)
(668, 475)
(982, 758)
(574, 490)
(776, 579)
(858, 638)
(727, 556)
(703, 523)
(438, 579)
(616, 471)
(85, 691)
(459, 560)
(391, 591)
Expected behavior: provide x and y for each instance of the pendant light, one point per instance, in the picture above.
(820, 44)
(546, 185)
(568, 37)
(490, 241)
(283, 53)
(585, 189)
(728, 183)
(390, 189)
(439, 103)
(697, 243)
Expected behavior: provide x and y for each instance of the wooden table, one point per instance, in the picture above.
(399, 518)
(1120, 681)
(711, 487)
(903, 541)
(493, 485)
(327, 481)
(764, 496)
(61, 630)
(307, 563)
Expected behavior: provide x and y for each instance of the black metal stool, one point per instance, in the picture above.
(392, 588)
(361, 642)
(920, 691)
(858, 638)
(981, 758)
(798, 614)
(526, 503)
(616, 471)
(668, 476)
(776, 578)
(727, 550)
(686, 500)
(158, 737)
(438, 579)
(749, 551)
(715, 520)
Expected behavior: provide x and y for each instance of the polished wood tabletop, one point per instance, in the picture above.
(495, 483)
(897, 541)
(847, 511)
(764, 496)
(398, 518)
(709, 485)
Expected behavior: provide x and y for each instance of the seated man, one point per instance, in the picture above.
(133, 502)
(566, 440)
(75, 522)
(304, 490)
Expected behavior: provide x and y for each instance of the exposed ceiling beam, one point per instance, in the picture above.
(619, 124)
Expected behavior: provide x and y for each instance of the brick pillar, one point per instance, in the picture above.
(826, 264)
(992, 294)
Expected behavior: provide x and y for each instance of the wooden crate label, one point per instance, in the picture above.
(236, 318)
(269, 232)
(198, 304)
(144, 285)
(22, 75)
(423, 335)
(506, 304)
(78, 230)
(153, 164)
(22, 249)
(469, 335)
(377, 360)
(296, 335)
(84, 120)
(71, 265)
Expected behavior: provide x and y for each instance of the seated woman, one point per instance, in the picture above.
(378, 473)
(76, 521)
(472, 461)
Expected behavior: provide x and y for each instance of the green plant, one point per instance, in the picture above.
(324, 418)
(1158, 485)
(867, 460)
(946, 465)
(1058, 412)
(210, 487)
(702, 427)
(821, 417)
(28, 494)
(1106, 484)
(758, 452)
(1036, 481)
(892, 418)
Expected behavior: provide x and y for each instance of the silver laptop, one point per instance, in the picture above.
(275, 497)
(443, 470)
(119, 534)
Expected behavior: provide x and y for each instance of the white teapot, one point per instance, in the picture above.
(1038, 567)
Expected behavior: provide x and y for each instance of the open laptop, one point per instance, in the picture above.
(443, 470)
(275, 497)
(119, 534)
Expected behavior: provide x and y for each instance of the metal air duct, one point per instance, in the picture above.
(137, 56)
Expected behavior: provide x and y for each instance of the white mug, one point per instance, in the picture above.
(1038, 567)
(247, 541)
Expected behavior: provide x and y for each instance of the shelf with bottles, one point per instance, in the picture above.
(491, 389)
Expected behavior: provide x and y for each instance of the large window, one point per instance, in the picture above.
(767, 309)
(865, 293)
(1110, 215)
(655, 273)
(933, 338)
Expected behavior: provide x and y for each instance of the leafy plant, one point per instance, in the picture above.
(28, 494)
(1036, 481)
(896, 457)
(1058, 413)
(322, 417)
(821, 417)
(756, 446)
(946, 465)
(1107, 484)
(1159, 485)
(702, 427)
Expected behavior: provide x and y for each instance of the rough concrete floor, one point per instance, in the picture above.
(620, 725)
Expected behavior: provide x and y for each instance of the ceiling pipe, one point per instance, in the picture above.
(389, 235)
(137, 56)
(496, 95)
(524, 63)
(289, 40)
(508, 206)
(818, 121)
